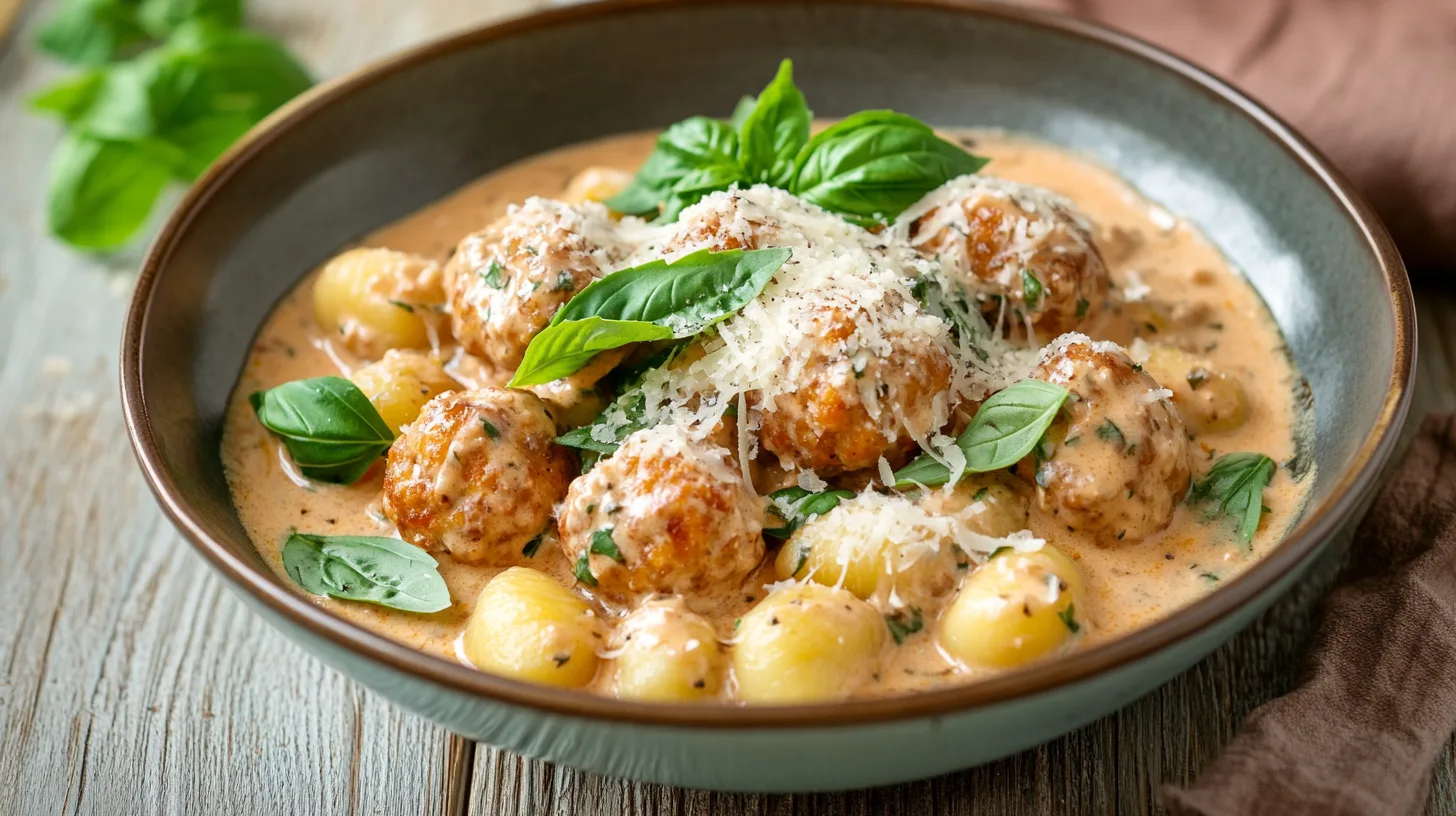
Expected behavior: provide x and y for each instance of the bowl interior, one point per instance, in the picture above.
(379, 146)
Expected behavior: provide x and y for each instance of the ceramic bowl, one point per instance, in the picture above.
(372, 146)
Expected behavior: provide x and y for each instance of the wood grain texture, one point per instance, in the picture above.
(132, 682)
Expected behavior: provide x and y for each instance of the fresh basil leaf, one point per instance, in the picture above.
(624, 417)
(774, 130)
(741, 111)
(562, 349)
(239, 72)
(655, 301)
(201, 141)
(101, 191)
(873, 164)
(904, 623)
(90, 32)
(1234, 487)
(383, 571)
(687, 295)
(701, 145)
(651, 186)
(328, 426)
(1007, 427)
(795, 505)
(177, 107)
(161, 17)
(70, 97)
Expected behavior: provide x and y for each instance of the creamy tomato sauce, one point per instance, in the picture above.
(1152, 256)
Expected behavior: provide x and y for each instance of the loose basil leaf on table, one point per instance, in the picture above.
(772, 132)
(1234, 487)
(1007, 427)
(654, 301)
(383, 571)
(796, 505)
(90, 32)
(329, 427)
(165, 114)
(872, 165)
(101, 190)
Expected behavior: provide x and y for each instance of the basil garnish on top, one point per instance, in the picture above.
(693, 158)
(654, 301)
(773, 130)
(868, 167)
(1006, 428)
(329, 427)
(874, 164)
(1234, 487)
(383, 571)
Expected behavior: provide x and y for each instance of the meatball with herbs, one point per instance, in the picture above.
(507, 281)
(1023, 252)
(853, 402)
(476, 475)
(1117, 462)
(665, 513)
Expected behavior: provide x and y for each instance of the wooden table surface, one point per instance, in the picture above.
(132, 681)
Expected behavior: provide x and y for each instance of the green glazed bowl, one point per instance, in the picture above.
(370, 147)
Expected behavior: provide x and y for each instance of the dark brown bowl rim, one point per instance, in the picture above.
(1303, 541)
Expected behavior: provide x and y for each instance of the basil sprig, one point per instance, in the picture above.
(868, 167)
(91, 32)
(795, 506)
(654, 301)
(872, 165)
(329, 427)
(773, 130)
(383, 571)
(1234, 487)
(136, 125)
(1006, 428)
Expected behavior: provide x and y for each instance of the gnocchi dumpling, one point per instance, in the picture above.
(804, 643)
(666, 652)
(596, 184)
(376, 299)
(527, 626)
(876, 547)
(1210, 400)
(401, 383)
(992, 504)
(1015, 608)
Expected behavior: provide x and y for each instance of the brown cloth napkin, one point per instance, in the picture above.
(1360, 734)
(1372, 83)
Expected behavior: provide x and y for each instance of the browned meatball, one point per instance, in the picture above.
(506, 281)
(758, 217)
(667, 514)
(852, 405)
(1018, 247)
(476, 475)
(1117, 463)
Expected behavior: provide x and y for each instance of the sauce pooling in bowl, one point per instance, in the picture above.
(668, 569)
